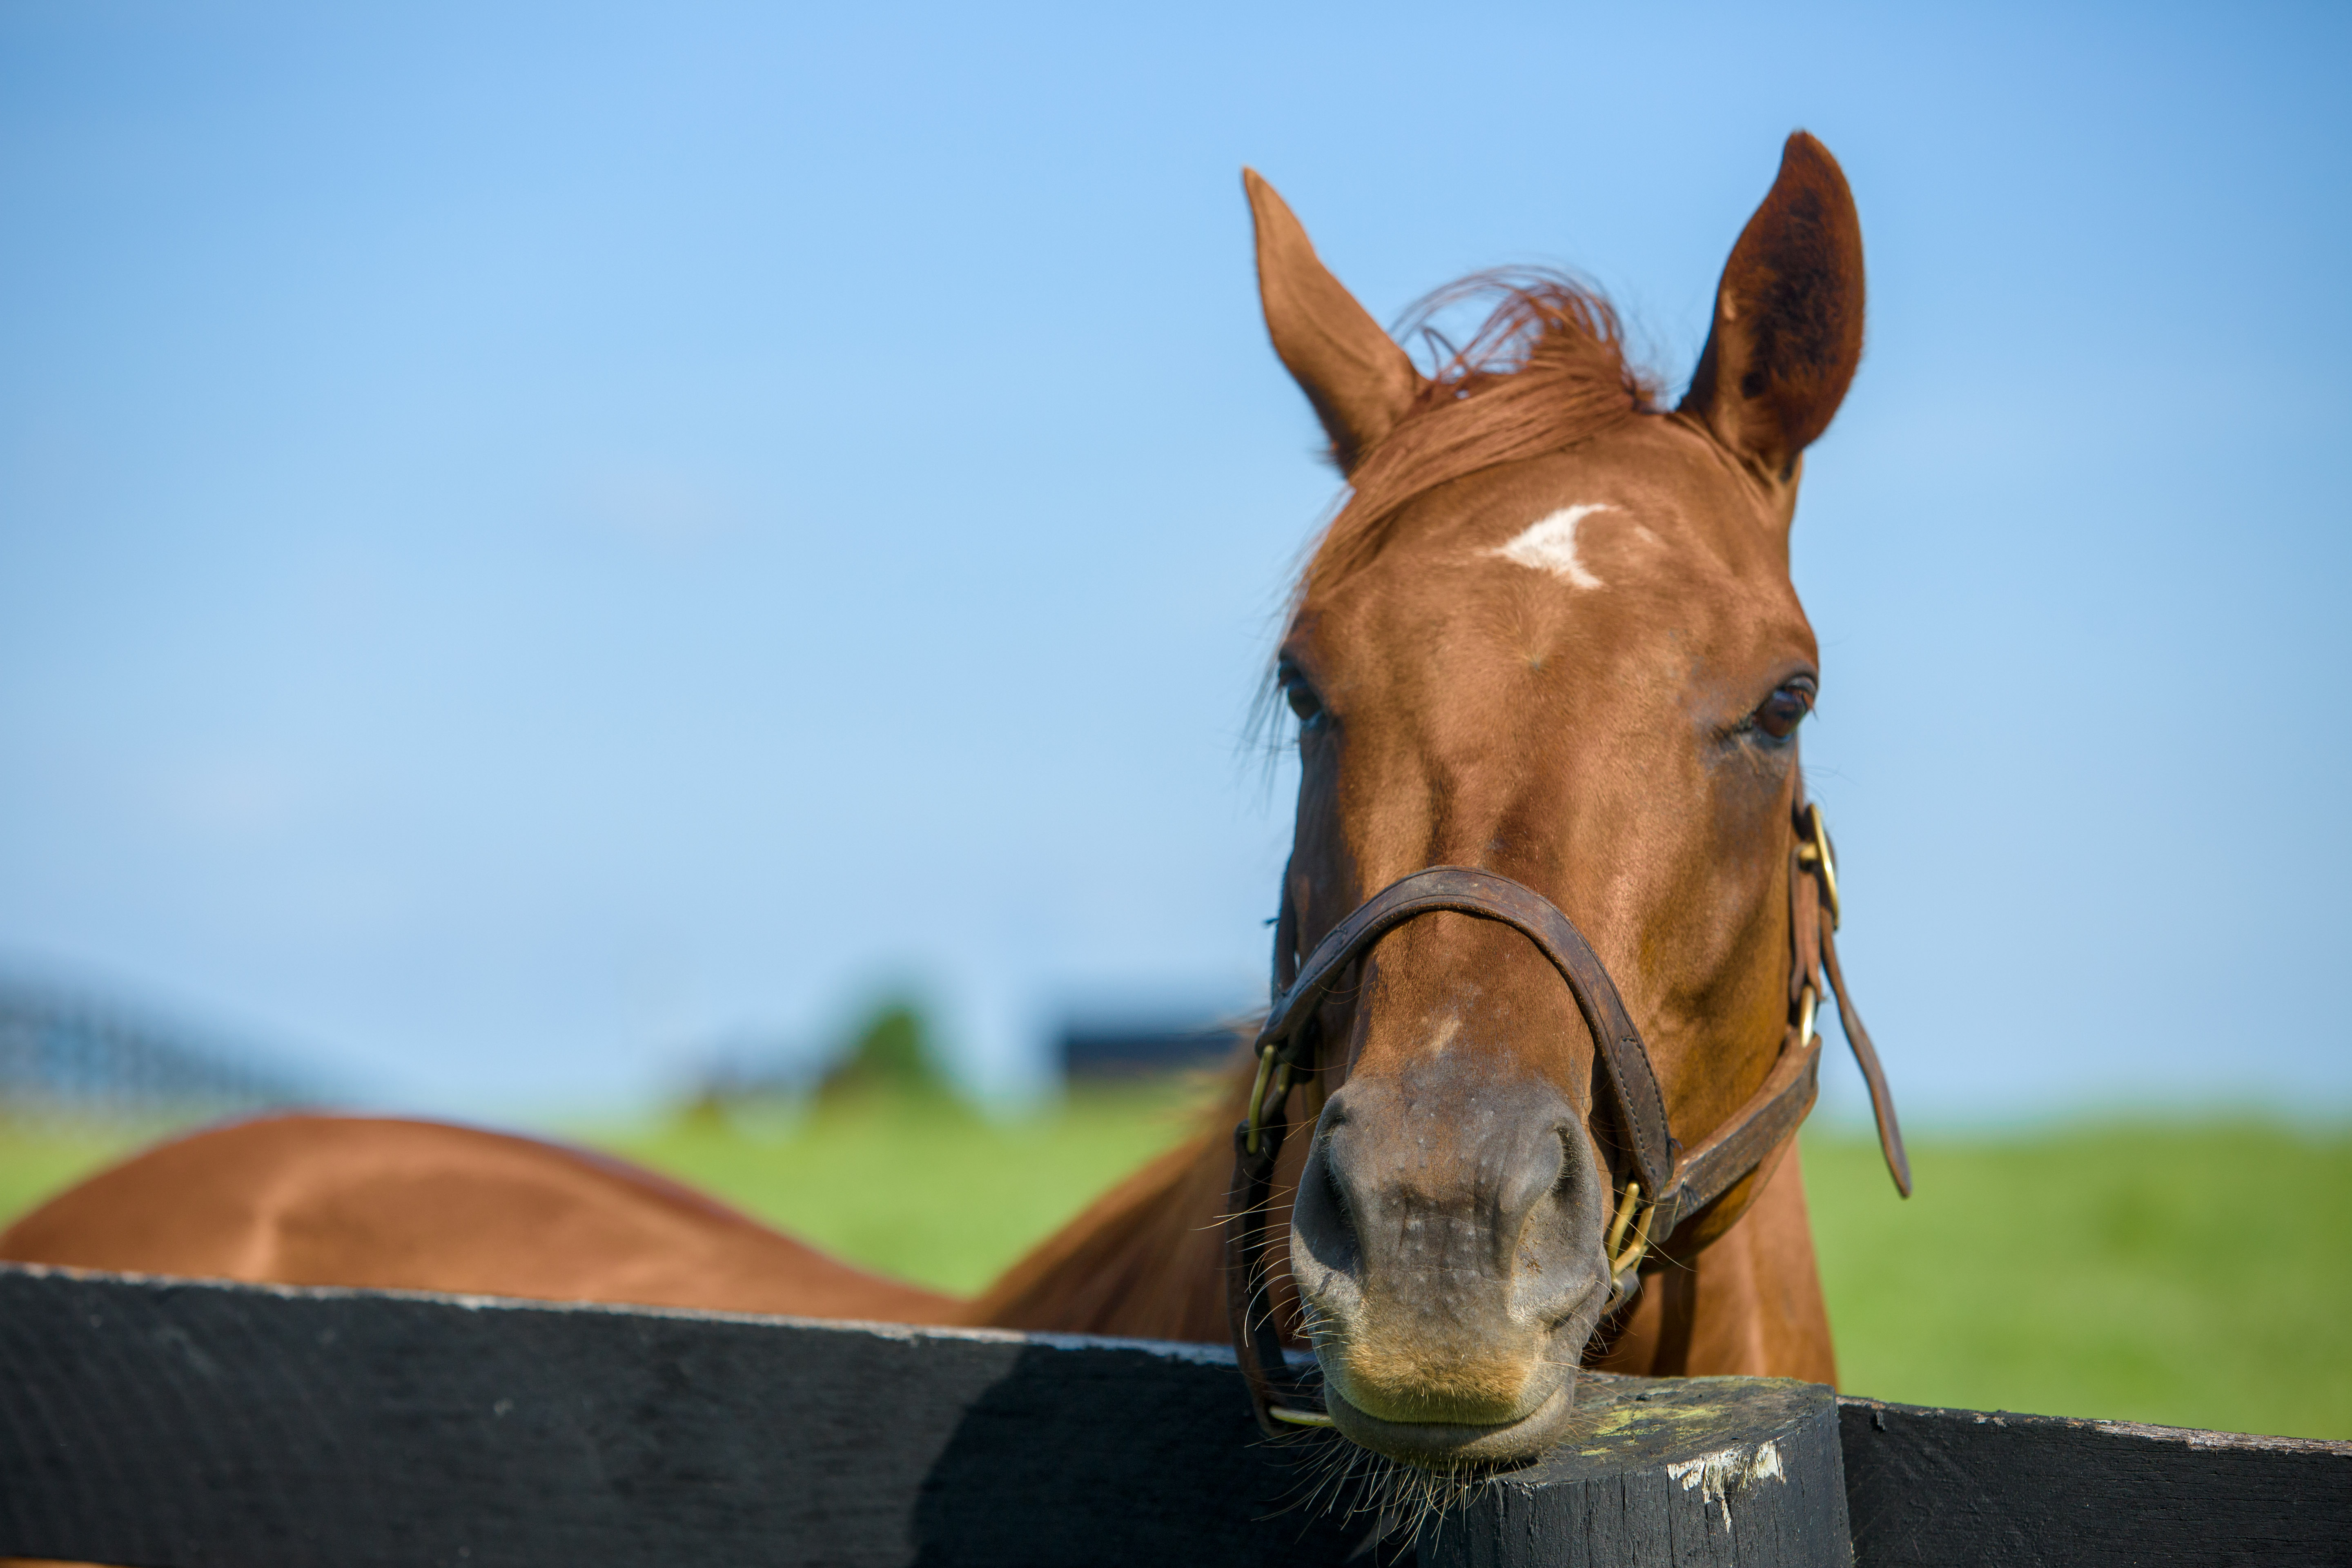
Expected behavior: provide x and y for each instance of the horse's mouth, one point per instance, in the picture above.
(1453, 1445)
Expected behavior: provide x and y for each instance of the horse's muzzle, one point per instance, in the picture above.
(1452, 1445)
(1447, 1246)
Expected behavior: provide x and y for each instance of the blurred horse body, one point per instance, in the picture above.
(1553, 634)
(420, 1206)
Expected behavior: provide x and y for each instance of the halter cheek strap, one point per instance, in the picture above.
(1680, 1184)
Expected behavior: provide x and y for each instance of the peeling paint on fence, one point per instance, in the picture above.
(1717, 1475)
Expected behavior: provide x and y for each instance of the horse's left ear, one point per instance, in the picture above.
(1788, 317)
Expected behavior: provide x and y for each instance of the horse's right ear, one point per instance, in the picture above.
(1359, 379)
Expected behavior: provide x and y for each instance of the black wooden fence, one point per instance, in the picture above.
(177, 1424)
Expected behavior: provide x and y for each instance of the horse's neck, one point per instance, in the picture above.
(1147, 1259)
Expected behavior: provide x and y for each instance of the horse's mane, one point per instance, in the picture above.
(1547, 370)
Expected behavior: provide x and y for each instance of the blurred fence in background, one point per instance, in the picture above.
(68, 1051)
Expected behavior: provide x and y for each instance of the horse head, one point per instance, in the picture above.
(1551, 636)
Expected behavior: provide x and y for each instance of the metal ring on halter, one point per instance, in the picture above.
(1815, 850)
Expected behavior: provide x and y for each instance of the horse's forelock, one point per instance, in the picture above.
(1547, 370)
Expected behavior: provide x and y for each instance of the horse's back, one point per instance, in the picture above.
(398, 1204)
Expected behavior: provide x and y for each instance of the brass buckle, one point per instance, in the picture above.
(1628, 1239)
(1261, 1097)
(1813, 852)
(1620, 1260)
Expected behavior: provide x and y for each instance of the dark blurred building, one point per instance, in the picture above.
(1095, 1049)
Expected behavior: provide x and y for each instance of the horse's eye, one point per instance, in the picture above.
(1304, 702)
(1785, 708)
(1301, 696)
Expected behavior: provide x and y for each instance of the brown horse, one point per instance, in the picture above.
(1552, 635)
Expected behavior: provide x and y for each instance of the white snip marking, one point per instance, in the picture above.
(1717, 1475)
(1549, 545)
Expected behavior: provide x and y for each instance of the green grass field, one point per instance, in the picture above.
(2194, 1274)
(922, 1189)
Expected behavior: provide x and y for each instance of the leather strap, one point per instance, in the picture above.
(1684, 1183)
(1289, 1035)
(1816, 879)
(1779, 1105)
(1746, 1138)
(1640, 1108)
(1249, 1294)
(1865, 1057)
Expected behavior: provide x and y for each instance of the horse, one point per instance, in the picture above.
(1549, 640)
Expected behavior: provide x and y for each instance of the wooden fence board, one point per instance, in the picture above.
(178, 1424)
(1667, 1473)
(1930, 1487)
(172, 1423)
(181, 1424)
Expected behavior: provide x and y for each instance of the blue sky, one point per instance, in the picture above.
(534, 540)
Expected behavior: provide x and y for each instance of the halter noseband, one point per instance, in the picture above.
(1681, 1182)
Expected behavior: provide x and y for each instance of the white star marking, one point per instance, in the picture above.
(1549, 545)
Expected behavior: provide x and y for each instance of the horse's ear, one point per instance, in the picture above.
(1787, 316)
(1359, 379)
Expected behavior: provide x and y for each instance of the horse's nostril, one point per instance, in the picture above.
(1324, 1219)
(1343, 1218)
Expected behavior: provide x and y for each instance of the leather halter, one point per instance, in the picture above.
(1680, 1183)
